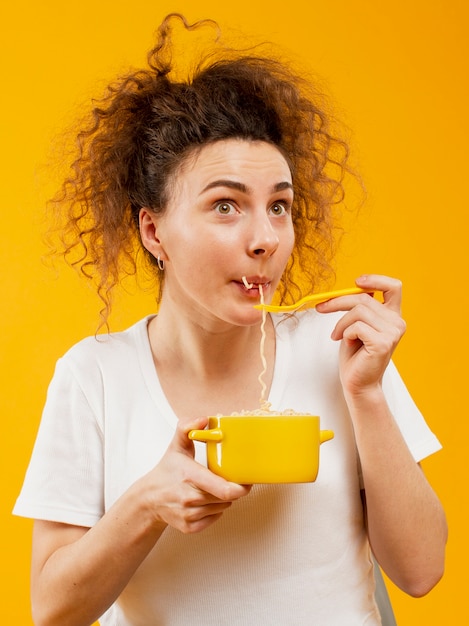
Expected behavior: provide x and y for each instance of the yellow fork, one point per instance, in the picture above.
(312, 300)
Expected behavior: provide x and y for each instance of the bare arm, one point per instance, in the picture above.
(406, 523)
(77, 573)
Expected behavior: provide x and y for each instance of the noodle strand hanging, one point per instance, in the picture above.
(263, 401)
(264, 405)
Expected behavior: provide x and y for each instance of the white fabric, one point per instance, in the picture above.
(286, 554)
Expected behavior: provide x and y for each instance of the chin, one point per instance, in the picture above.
(249, 318)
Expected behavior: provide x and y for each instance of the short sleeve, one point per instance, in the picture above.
(64, 480)
(419, 438)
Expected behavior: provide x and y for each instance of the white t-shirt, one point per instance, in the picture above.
(285, 554)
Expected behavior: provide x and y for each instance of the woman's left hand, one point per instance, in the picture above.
(369, 331)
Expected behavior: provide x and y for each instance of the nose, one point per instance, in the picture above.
(263, 238)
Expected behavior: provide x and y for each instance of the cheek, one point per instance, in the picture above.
(289, 241)
(198, 257)
(215, 247)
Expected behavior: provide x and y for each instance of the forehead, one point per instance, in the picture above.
(239, 158)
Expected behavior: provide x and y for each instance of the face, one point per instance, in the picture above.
(229, 216)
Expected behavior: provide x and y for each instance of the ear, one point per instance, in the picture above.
(148, 225)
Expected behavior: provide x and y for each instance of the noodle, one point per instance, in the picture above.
(262, 400)
(263, 412)
(264, 405)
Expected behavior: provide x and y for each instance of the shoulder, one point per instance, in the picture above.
(100, 356)
(97, 367)
(108, 346)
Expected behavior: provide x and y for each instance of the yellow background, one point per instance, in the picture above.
(398, 71)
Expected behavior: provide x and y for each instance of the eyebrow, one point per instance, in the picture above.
(232, 184)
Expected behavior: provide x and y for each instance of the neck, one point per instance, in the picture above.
(206, 349)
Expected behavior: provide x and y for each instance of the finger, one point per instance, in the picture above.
(181, 442)
(213, 487)
(346, 303)
(375, 315)
(390, 287)
(374, 342)
(201, 479)
(198, 525)
(189, 518)
(199, 519)
(215, 508)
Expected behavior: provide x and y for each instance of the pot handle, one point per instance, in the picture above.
(211, 434)
(325, 435)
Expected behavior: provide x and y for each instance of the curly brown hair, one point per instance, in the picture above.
(147, 124)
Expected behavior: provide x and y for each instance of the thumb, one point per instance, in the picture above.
(181, 442)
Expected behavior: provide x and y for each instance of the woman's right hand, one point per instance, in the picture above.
(184, 494)
(77, 573)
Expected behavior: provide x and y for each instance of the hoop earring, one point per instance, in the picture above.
(160, 263)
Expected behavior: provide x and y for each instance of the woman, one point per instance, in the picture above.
(232, 173)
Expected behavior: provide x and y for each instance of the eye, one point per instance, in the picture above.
(224, 208)
(279, 208)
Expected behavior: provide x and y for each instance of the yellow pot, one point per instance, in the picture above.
(252, 449)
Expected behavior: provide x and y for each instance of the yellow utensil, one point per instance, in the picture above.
(312, 300)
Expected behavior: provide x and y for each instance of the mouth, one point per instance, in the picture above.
(254, 283)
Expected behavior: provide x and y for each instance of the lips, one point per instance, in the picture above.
(255, 281)
(254, 287)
